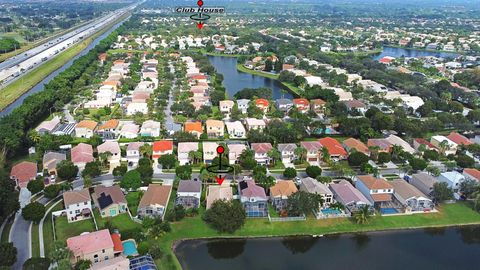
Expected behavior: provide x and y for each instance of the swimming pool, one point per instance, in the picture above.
(388, 211)
(331, 211)
(129, 248)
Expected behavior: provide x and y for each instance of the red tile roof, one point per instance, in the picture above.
(193, 126)
(162, 146)
(117, 243)
(24, 172)
(473, 173)
(459, 139)
(262, 102)
(334, 147)
(301, 101)
(82, 153)
(425, 142)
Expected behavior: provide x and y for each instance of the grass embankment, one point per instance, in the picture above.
(64, 230)
(6, 230)
(16, 89)
(191, 228)
(133, 199)
(48, 230)
(292, 88)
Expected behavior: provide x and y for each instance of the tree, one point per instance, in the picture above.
(418, 164)
(362, 215)
(274, 155)
(52, 191)
(313, 171)
(92, 169)
(83, 265)
(8, 254)
(145, 169)
(33, 212)
(469, 187)
(441, 192)
(465, 161)
(431, 155)
(225, 216)
(247, 160)
(66, 170)
(264, 180)
(167, 161)
(36, 264)
(324, 179)
(384, 158)
(300, 152)
(120, 170)
(303, 203)
(146, 150)
(184, 172)
(132, 180)
(289, 173)
(357, 158)
(176, 214)
(35, 186)
(60, 252)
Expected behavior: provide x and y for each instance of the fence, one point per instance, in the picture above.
(286, 219)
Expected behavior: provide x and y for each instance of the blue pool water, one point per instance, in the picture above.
(387, 211)
(129, 248)
(331, 211)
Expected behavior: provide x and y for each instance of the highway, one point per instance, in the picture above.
(19, 65)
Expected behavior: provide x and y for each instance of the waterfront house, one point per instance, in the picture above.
(351, 144)
(377, 190)
(234, 152)
(288, 152)
(109, 200)
(424, 182)
(311, 185)
(23, 172)
(133, 153)
(215, 129)
(189, 193)
(51, 160)
(471, 174)
(335, 148)
(209, 152)
(91, 246)
(109, 129)
(150, 128)
(215, 192)
(411, 197)
(262, 104)
(453, 179)
(236, 130)
(194, 128)
(253, 198)
(129, 131)
(350, 197)
(160, 148)
(117, 263)
(226, 106)
(243, 104)
(78, 205)
(302, 104)
(280, 192)
(85, 129)
(184, 149)
(154, 201)
(314, 150)
(81, 155)
(47, 127)
(255, 124)
(283, 104)
(261, 152)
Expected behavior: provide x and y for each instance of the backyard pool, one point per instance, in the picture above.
(331, 211)
(129, 248)
(388, 211)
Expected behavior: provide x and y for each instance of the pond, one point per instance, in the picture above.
(444, 248)
(399, 52)
(235, 80)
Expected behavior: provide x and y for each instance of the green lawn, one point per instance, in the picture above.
(189, 228)
(35, 242)
(121, 222)
(64, 230)
(6, 230)
(48, 230)
(133, 199)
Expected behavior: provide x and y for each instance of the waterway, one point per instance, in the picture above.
(235, 80)
(39, 87)
(399, 52)
(439, 249)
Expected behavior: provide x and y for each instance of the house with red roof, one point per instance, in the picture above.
(161, 148)
(417, 143)
(318, 105)
(196, 128)
(81, 155)
(23, 172)
(334, 147)
(471, 174)
(253, 198)
(302, 104)
(93, 246)
(377, 190)
(459, 138)
(262, 104)
(261, 152)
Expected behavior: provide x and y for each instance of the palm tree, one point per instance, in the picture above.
(325, 155)
(362, 215)
(34, 136)
(444, 146)
(300, 152)
(274, 155)
(373, 152)
(104, 157)
(397, 150)
(191, 156)
(146, 150)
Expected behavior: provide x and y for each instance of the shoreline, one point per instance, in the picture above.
(422, 49)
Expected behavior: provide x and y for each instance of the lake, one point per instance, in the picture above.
(443, 248)
(235, 80)
(399, 52)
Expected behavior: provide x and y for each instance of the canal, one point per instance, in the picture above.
(443, 248)
(235, 80)
(39, 87)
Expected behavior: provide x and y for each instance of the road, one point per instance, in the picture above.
(14, 68)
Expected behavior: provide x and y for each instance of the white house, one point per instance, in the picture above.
(134, 108)
(449, 146)
(377, 190)
(236, 130)
(288, 152)
(150, 128)
(261, 152)
(311, 185)
(313, 80)
(209, 151)
(243, 104)
(129, 131)
(133, 153)
(453, 179)
(78, 205)
(189, 193)
(253, 123)
(184, 148)
(85, 129)
(234, 152)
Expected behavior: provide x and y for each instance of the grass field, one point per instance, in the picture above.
(16, 89)
(121, 222)
(133, 199)
(292, 88)
(35, 241)
(190, 228)
(48, 230)
(64, 230)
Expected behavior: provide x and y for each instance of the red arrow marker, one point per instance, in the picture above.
(220, 179)
(200, 25)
